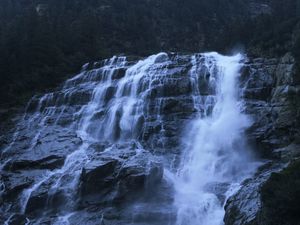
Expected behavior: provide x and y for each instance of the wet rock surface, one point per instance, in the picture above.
(53, 169)
(245, 205)
(272, 97)
(117, 179)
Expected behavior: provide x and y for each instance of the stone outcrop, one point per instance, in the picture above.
(114, 175)
(272, 97)
(119, 180)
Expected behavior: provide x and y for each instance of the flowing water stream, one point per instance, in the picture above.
(186, 106)
(216, 158)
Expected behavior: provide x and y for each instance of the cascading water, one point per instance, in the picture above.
(126, 118)
(215, 158)
(105, 105)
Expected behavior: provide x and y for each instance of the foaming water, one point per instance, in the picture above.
(215, 158)
(114, 113)
(147, 103)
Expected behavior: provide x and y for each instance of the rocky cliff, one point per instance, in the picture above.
(272, 97)
(54, 168)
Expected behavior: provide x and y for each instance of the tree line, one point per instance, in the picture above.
(43, 42)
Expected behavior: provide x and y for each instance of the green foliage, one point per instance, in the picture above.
(280, 196)
(42, 42)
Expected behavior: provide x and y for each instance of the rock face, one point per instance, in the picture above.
(272, 96)
(93, 151)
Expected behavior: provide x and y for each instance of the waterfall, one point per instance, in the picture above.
(215, 157)
(135, 117)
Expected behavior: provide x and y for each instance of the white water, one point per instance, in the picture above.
(214, 160)
(128, 101)
(215, 154)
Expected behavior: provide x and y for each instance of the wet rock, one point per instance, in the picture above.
(97, 176)
(110, 91)
(17, 219)
(119, 73)
(51, 143)
(37, 202)
(203, 84)
(281, 190)
(243, 207)
(15, 183)
(162, 58)
(119, 179)
(259, 83)
(32, 104)
(118, 173)
(38, 199)
(257, 93)
(177, 105)
(288, 153)
(78, 97)
(49, 195)
(176, 87)
(97, 147)
(272, 98)
(51, 162)
(135, 177)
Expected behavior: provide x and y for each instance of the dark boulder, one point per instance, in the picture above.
(118, 73)
(98, 176)
(51, 162)
(119, 173)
